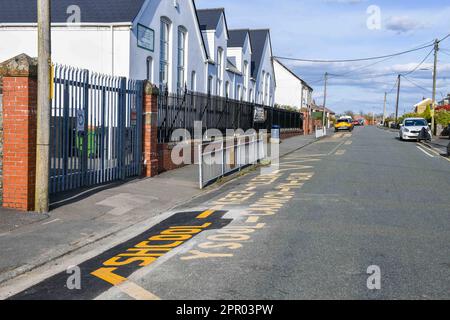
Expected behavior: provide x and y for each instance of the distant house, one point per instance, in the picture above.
(291, 90)
(318, 110)
(422, 105)
(445, 101)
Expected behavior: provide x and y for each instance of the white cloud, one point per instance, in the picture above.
(403, 24)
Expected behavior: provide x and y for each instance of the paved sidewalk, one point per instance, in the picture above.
(440, 144)
(28, 241)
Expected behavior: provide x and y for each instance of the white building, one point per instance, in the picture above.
(291, 90)
(159, 40)
(240, 55)
(168, 42)
(262, 66)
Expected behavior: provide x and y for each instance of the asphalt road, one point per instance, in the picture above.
(309, 230)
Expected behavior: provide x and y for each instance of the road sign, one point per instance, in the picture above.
(80, 121)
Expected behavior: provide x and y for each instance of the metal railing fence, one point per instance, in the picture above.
(96, 129)
(220, 158)
(181, 110)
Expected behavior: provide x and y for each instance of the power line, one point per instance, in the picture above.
(356, 60)
(426, 45)
(420, 64)
(444, 38)
(416, 85)
(393, 87)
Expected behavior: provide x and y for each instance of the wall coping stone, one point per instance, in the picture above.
(19, 66)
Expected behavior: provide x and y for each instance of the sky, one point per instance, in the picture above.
(353, 29)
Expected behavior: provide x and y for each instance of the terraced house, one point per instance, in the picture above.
(168, 42)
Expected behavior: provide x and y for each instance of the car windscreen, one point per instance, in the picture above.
(416, 123)
(343, 121)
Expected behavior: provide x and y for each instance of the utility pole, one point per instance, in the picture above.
(384, 108)
(398, 98)
(43, 106)
(433, 107)
(324, 101)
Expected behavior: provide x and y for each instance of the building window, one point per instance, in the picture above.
(262, 87)
(245, 78)
(150, 69)
(193, 81)
(219, 71)
(251, 96)
(164, 53)
(181, 59)
(227, 89)
(238, 93)
(209, 84)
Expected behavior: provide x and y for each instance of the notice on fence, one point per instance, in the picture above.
(80, 121)
(260, 114)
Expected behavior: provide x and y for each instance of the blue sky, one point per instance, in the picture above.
(337, 29)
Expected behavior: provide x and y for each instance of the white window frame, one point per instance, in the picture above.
(219, 64)
(181, 58)
(164, 59)
(150, 68)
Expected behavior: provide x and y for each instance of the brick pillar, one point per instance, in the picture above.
(150, 134)
(306, 123)
(19, 126)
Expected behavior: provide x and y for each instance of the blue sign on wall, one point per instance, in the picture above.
(145, 38)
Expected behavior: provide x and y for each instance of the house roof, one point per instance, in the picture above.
(320, 109)
(291, 72)
(258, 38)
(232, 68)
(98, 11)
(209, 18)
(237, 38)
(424, 102)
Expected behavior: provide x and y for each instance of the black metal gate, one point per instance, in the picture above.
(96, 129)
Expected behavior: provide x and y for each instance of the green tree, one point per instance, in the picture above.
(443, 117)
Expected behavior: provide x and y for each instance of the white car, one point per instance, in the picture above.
(411, 127)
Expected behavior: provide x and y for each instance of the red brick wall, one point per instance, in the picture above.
(165, 157)
(150, 133)
(291, 133)
(19, 149)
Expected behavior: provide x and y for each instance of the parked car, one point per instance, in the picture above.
(343, 124)
(411, 127)
(356, 123)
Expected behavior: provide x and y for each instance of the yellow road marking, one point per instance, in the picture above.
(254, 219)
(205, 214)
(430, 149)
(428, 154)
(340, 152)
